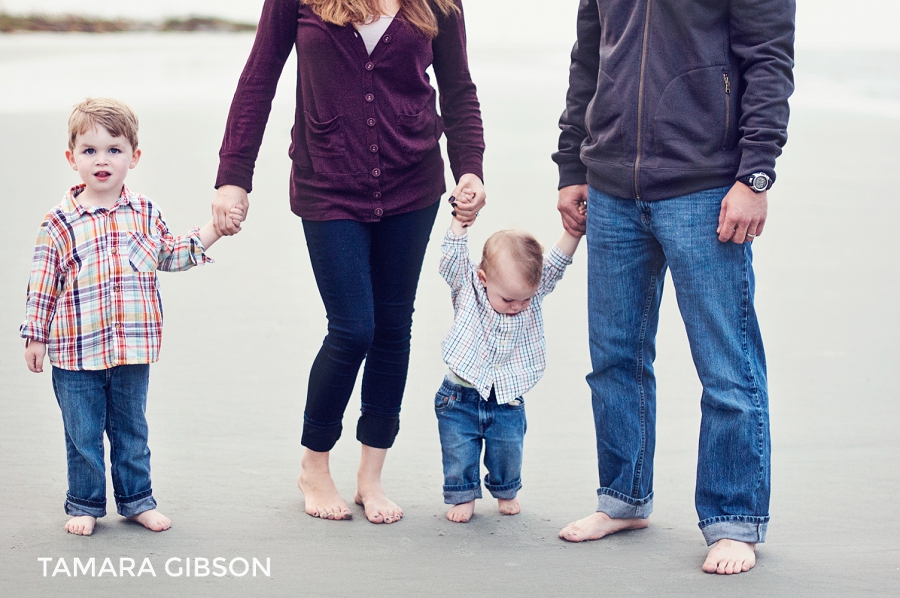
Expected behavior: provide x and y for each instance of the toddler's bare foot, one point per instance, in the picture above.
(462, 512)
(594, 527)
(321, 495)
(379, 508)
(152, 520)
(509, 506)
(728, 557)
(83, 525)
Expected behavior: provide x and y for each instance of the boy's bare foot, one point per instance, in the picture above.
(321, 495)
(594, 527)
(153, 520)
(728, 557)
(462, 512)
(509, 506)
(83, 525)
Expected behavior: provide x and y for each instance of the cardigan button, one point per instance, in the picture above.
(376, 172)
(377, 195)
(373, 148)
(379, 212)
(370, 97)
(370, 66)
(370, 122)
(386, 39)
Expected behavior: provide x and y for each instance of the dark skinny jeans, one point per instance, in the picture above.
(367, 274)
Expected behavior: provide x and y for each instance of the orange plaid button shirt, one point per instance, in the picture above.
(93, 294)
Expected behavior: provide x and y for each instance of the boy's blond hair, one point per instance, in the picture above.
(522, 249)
(114, 116)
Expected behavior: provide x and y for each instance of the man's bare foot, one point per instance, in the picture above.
(321, 495)
(462, 512)
(728, 557)
(152, 520)
(594, 527)
(83, 525)
(509, 506)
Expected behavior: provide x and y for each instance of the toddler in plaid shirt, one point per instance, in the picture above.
(94, 306)
(495, 352)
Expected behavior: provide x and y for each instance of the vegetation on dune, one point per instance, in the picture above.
(73, 23)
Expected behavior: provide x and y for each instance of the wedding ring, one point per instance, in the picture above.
(751, 236)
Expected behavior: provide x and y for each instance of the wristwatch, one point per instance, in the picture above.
(759, 182)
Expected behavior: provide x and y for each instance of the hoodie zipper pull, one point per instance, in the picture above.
(727, 83)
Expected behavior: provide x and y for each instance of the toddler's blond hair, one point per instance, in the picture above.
(524, 252)
(114, 116)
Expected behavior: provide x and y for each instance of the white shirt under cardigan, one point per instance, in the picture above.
(488, 349)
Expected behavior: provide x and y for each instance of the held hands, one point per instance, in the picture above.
(743, 214)
(572, 206)
(34, 355)
(226, 221)
(467, 199)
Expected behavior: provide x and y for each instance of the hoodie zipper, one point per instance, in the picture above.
(727, 109)
(640, 114)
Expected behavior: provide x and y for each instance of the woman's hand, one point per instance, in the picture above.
(466, 212)
(228, 197)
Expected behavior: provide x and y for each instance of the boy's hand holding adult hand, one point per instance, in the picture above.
(34, 355)
(226, 198)
(571, 206)
(467, 211)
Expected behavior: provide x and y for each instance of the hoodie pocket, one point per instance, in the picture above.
(692, 120)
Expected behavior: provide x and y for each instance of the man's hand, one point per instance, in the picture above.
(466, 212)
(571, 206)
(34, 356)
(743, 214)
(228, 197)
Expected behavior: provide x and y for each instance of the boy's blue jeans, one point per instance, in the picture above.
(465, 420)
(113, 400)
(631, 243)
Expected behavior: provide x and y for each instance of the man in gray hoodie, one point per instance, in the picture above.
(675, 114)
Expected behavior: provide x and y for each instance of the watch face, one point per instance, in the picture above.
(760, 182)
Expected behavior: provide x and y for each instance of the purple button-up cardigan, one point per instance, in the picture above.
(365, 138)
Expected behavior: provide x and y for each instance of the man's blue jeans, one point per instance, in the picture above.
(630, 245)
(465, 421)
(114, 401)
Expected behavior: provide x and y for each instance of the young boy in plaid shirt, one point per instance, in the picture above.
(496, 353)
(94, 306)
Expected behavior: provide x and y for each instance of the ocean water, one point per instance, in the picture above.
(847, 54)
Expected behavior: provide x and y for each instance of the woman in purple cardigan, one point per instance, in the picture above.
(366, 179)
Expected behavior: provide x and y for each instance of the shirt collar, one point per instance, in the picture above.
(72, 210)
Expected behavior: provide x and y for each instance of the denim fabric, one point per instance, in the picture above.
(367, 274)
(113, 400)
(630, 245)
(465, 420)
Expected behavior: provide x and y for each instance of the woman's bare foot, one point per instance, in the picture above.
(83, 525)
(462, 512)
(509, 506)
(319, 492)
(152, 520)
(728, 557)
(369, 491)
(594, 527)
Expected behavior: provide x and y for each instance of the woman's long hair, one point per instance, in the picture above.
(417, 13)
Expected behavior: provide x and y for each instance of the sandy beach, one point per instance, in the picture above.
(226, 399)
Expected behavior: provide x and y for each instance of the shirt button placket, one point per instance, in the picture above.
(375, 170)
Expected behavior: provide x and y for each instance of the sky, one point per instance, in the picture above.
(822, 24)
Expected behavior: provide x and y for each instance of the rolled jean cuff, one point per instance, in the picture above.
(134, 505)
(742, 528)
(618, 506)
(319, 437)
(79, 507)
(456, 495)
(506, 491)
(376, 430)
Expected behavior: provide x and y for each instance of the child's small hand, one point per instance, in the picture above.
(582, 207)
(34, 356)
(237, 216)
(466, 196)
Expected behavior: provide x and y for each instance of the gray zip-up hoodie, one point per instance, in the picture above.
(669, 97)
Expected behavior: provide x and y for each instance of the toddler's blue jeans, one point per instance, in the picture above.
(465, 421)
(631, 244)
(114, 401)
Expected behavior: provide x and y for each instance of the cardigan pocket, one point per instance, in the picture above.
(327, 144)
(418, 134)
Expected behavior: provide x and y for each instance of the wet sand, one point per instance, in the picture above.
(226, 399)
